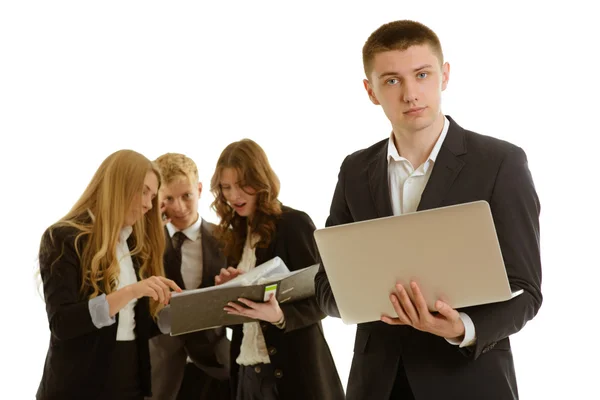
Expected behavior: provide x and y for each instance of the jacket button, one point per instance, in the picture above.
(278, 373)
(257, 369)
(272, 351)
(264, 326)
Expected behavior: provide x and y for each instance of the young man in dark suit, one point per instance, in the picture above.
(430, 161)
(196, 365)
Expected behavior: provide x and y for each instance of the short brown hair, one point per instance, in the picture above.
(176, 165)
(254, 171)
(399, 35)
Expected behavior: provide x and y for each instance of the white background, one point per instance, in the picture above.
(79, 80)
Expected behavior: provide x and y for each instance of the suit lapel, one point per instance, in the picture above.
(446, 168)
(378, 182)
(264, 254)
(212, 254)
(208, 255)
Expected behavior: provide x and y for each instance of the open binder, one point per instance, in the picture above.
(200, 309)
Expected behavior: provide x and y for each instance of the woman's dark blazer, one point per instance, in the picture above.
(303, 365)
(79, 356)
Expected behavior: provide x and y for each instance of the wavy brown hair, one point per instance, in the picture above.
(99, 215)
(255, 172)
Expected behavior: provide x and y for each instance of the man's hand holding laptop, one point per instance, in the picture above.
(446, 323)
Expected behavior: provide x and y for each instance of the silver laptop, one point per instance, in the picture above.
(451, 252)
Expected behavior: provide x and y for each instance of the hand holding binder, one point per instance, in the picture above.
(268, 311)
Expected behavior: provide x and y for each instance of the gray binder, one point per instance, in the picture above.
(201, 309)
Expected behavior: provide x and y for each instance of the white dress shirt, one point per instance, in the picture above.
(191, 254)
(254, 348)
(406, 187)
(127, 276)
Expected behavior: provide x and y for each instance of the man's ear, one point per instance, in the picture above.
(370, 92)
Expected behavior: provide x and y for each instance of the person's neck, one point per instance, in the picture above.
(195, 220)
(416, 146)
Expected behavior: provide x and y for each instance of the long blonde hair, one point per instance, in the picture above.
(99, 216)
(254, 171)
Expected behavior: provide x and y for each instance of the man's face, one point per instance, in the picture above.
(408, 85)
(180, 199)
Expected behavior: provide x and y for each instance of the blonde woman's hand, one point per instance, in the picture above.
(225, 275)
(157, 287)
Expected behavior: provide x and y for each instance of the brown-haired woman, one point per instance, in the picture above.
(99, 265)
(284, 354)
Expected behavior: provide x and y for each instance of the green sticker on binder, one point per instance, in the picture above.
(270, 289)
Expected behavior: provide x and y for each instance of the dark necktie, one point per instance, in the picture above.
(178, 239)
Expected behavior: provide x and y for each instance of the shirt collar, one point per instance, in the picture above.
(192, 232)
(394, 155)
(125, 233)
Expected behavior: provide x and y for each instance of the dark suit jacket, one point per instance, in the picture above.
(468, 167)
(302, 362)
(208, 349)
(80, 355)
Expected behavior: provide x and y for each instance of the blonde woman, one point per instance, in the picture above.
(102, 272)
(284, 354)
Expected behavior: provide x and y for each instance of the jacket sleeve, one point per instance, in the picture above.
(515, 209)
(68, 314)
(339, 213)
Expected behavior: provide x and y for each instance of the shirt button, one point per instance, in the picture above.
(278, 373)
(257, 369)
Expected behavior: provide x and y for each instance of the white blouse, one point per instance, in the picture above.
(254, 347)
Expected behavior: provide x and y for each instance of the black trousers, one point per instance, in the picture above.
(401, 389)
(123, 380)
(197, 385)
(257, 382)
